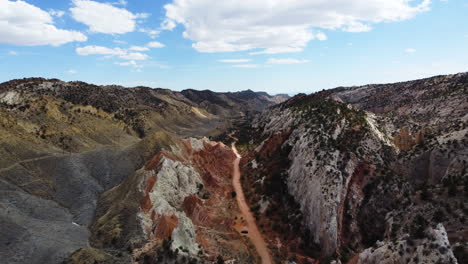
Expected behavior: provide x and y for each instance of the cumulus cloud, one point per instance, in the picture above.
(72, 71)
(410, 50)
(277, 26)
(99, 50)
(286, 61)
(118, 52)
(168, 24)
(234, 60)
(104, 17)
(25, 24)
(155, 44)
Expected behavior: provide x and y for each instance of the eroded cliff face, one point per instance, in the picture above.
(178, 206)
(333, 151)
(362, 171)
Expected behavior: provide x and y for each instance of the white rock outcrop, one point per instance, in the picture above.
(433, 249)
(174, 182)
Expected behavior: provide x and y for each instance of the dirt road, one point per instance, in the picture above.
(251, 225)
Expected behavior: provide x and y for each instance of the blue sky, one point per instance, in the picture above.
(269, 45)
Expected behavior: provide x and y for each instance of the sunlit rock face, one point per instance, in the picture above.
(172, 184)
(324, 173)
(433, 248)
(366, 164)
(182, 202)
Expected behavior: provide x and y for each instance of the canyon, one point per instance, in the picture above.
(108, 174)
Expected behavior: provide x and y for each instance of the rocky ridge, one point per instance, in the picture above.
(178, 206)
(358, 176)
(64, 144)
(106, 174)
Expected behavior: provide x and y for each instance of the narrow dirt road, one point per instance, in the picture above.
(253, 232)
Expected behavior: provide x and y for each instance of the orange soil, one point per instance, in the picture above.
(249, 220)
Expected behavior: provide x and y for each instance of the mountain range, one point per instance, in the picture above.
(108, 174)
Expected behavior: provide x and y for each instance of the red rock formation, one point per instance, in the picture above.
(214, 163)
(163, 226)
(211, 210)
(351, 199)
(195, 210)
(146, 202)
(154, 162)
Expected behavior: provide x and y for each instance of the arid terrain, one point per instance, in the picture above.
(108, 174)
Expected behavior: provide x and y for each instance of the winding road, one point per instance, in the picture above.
(253, 231)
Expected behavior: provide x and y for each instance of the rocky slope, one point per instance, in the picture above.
(178, 208)
(106, 174)
(64, 144)
(350, 167)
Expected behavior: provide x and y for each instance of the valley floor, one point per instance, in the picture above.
(248, 222)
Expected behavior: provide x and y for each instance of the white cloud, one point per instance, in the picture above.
(277, 50)
(121, 53)
(126, 63)
(138, 48)
(286, 61)
(56, 13)
(277, 26)
(24, 24)
(121, 42)
(168, 24)
(104, 17)
(246, 66)
(152, 33)
(131, 63)
(356, 27)
(121, 3)
(72, 71)
(410, 50)
(235, 60)
(155, 44)
(134, 56)
(143, 15)
(98, 50)
(12, 53)
(321, 36)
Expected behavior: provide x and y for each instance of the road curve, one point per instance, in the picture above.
(254, 233)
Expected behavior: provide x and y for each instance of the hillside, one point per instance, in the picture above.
(62, 144)
(107, 174)
(370, 174)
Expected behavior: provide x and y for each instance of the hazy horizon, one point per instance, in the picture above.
(234, 91)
